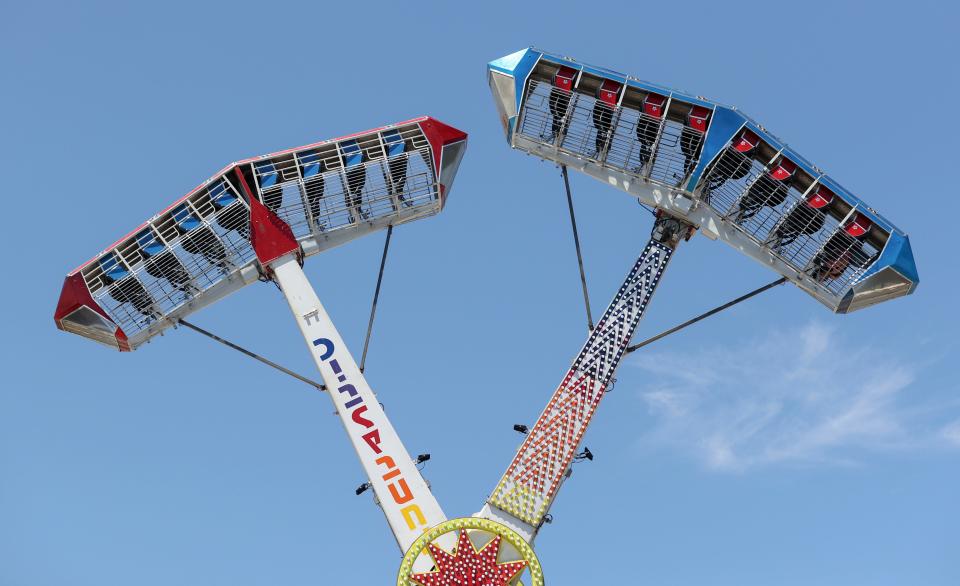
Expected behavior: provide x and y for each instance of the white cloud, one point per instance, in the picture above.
(805, 395)
(951, 433)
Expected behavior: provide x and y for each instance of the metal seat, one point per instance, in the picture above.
(648, 126)
(697, 118)
(783, 170)
(559, 99)
(113, 269)
(311, 168)
(608, 94)
(267, 174)
(124, 287)
(393, 142)
(806, 218)
(746, 142)
(220, 195)
(269, 180)
(310, 164)
(821, 198)
(858, 226)
(355, 176)
(691, 137)
(184, 219)
(197, 238)
(162, 263)
(396, 172)
(149, 243)
(844, 250)
(769, 190)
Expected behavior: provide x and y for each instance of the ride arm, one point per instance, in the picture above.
(529, 486)
(401, 491)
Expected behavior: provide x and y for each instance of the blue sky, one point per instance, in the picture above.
(774, 444)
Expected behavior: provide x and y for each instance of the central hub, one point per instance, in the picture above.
(486, 554)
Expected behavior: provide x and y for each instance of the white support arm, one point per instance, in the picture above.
(401, 491)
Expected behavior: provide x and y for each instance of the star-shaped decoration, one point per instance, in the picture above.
(468, 566)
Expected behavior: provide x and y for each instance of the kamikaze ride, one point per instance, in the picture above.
(258, 219)
(701, 167)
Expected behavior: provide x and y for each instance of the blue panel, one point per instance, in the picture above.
(393, 142)
(606, 74)
(112, 267)
(724, 125)
(352, 155)
(508, 64)
(310, 164)
(592, 69)
(521, 72)
(268, 173)
(184, 219)
(519, 65)
(149, 243)
(899, 255)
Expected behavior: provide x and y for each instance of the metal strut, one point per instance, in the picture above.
(402, 493)
(376, 296)
(253, 355)
(576, 242)
(702, 316)
(527, 489)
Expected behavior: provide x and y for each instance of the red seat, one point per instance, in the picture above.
(784, 169)
(564, 78)
(820, 198)
(858, 226)
(653, 105)
(697, 118)
(747, 142)
(609, 92)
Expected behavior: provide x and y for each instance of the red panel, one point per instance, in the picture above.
(75, 295)
(439, 134)
(653, 105)
(270, 236)
(564, 78)
(820, 198)
(784, 170)
(122, 342)
(697, 119)
(858, 226)
(609, 92)
(747, 141)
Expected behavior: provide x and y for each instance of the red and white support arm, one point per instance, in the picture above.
(528, 488)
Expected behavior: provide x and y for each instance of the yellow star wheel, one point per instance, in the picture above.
(466, 565)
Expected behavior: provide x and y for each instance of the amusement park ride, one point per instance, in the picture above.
(699, 165)
(258, 219)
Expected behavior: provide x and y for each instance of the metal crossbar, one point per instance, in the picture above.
(707, 314)
(576, 243)
(376, 297)
(255, 356)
